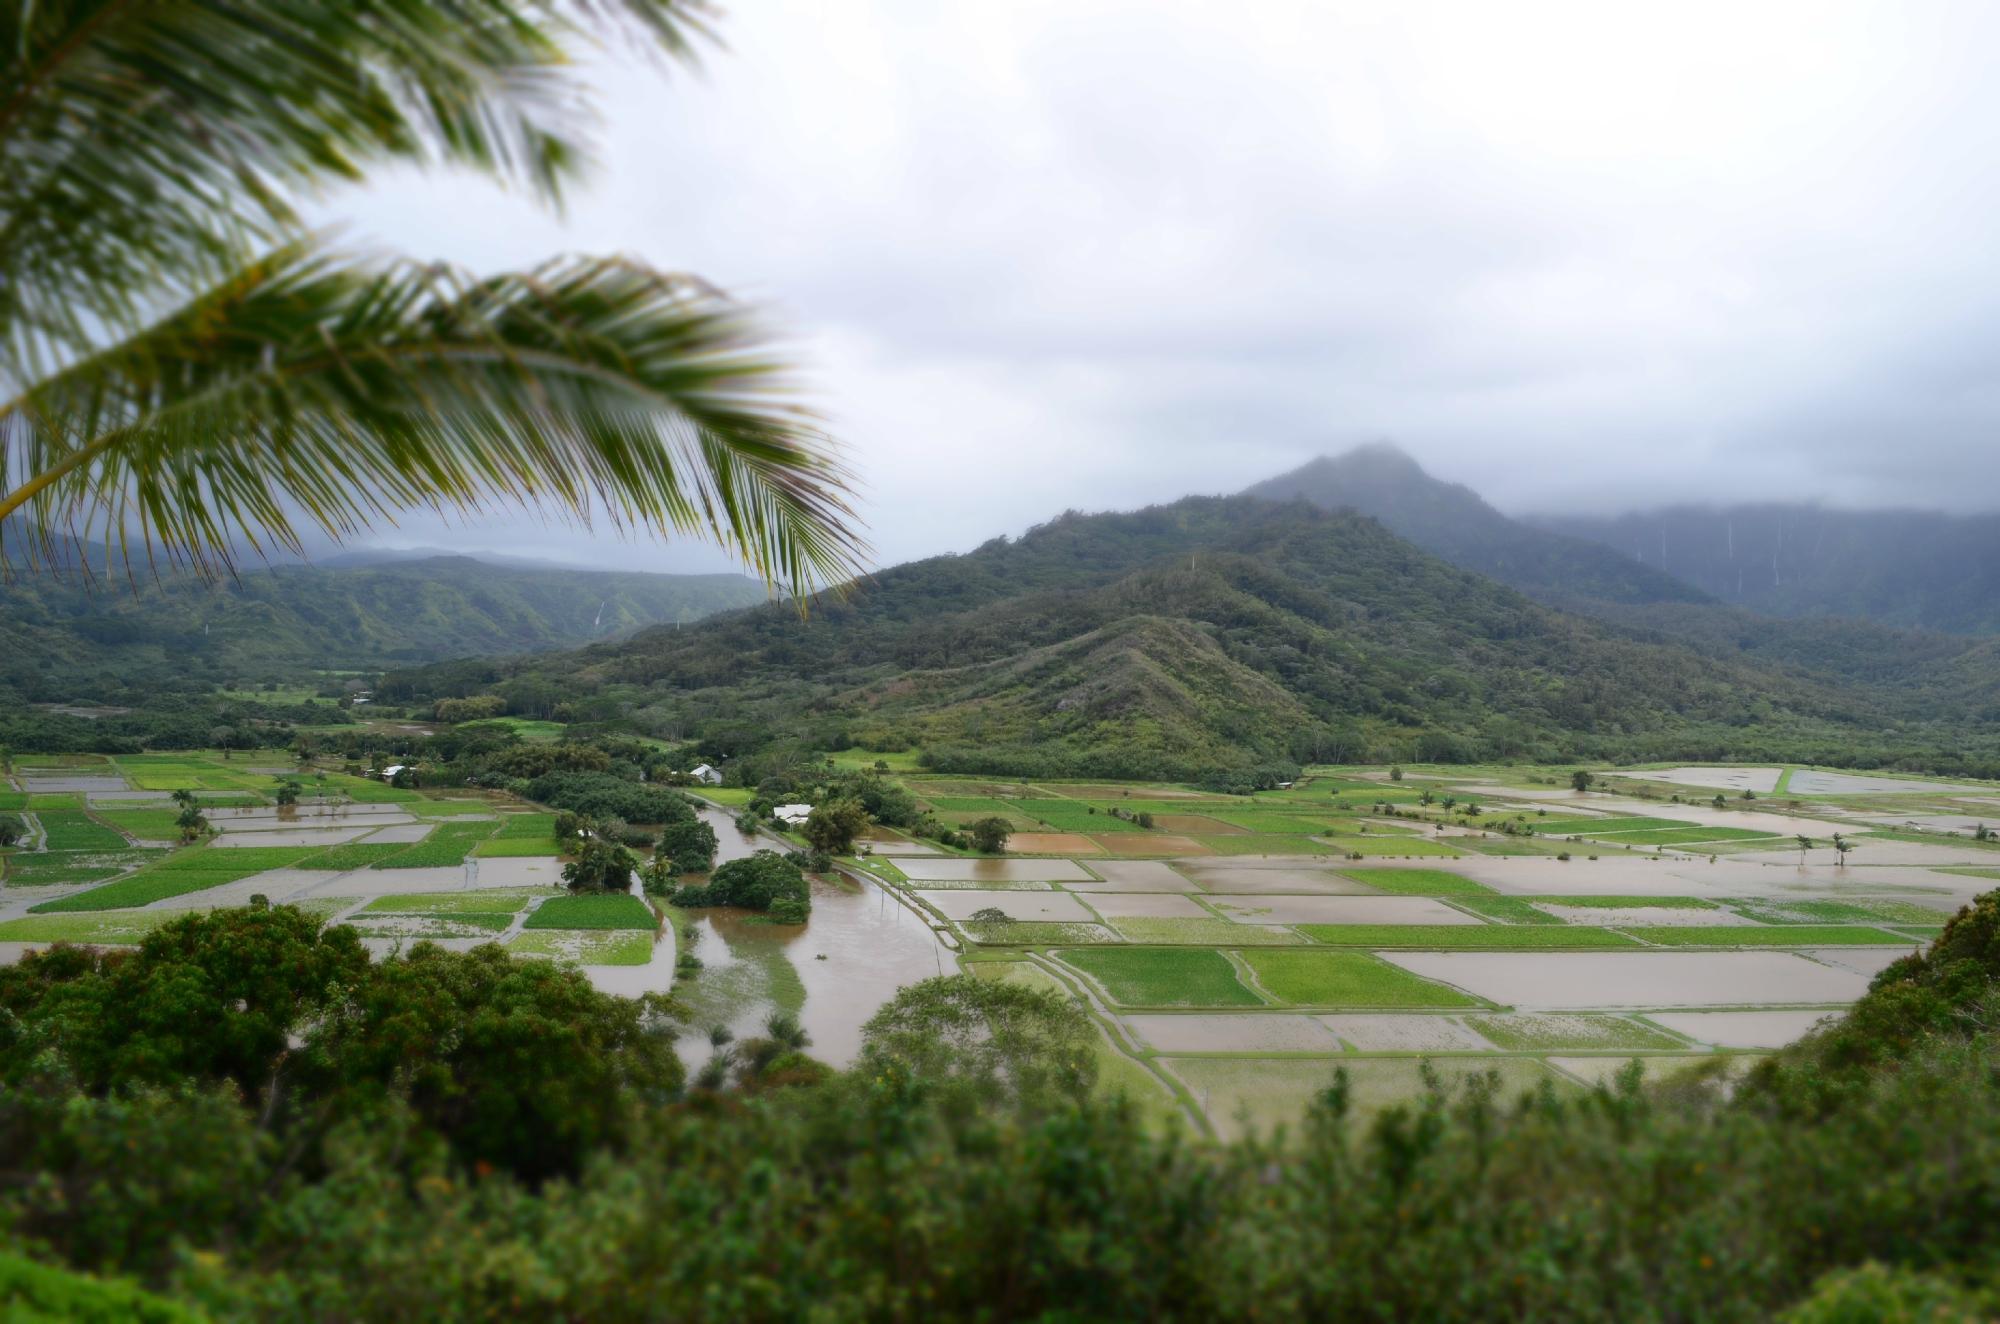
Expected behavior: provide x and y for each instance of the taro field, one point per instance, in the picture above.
(1237, 950)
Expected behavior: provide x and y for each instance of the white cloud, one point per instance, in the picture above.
(1089, 253)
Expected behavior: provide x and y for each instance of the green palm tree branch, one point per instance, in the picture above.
(315, 391)
(147, 144)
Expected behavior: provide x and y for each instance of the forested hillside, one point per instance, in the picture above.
(1211, 632)
(64, 634)
(1898, 567)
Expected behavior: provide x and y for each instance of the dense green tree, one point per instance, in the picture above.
(12, 829)
(599, 865)
(834, 824)
(1581, 779)
(763, 881)
(206, 997)
(988, 1038)
(688, 846)
(989, 835)
(521, 1064)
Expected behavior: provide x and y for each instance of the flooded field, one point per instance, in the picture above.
(1575, 980)
(1761, 780)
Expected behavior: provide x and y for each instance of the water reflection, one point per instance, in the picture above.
(834, 971)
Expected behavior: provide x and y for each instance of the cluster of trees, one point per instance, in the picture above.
(312, 1136)
(765, 881)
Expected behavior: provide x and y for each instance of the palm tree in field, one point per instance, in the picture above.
(185, 370)
(1805, 844)
(1841, 845)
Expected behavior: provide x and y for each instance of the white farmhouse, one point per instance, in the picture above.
(707, 775)
(792, 815)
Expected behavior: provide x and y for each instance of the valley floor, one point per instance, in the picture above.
(1236, 950)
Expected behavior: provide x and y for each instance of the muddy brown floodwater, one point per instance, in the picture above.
(834, 971)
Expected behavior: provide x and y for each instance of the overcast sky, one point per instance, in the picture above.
(1040, 254)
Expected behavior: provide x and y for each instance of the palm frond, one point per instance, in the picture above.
(313, 391)
(145, 143)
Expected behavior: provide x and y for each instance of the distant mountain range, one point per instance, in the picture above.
(1897, 567)
(275, 622)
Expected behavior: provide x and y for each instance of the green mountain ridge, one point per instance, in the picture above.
(63, 632)
(1215, 631)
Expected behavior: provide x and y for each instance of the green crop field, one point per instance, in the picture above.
(497, 901)
(1505, 909)
(150, 824)
(1549, 1033)
(140, 889)
(127, 927)
(527, 826)
(1417, 882)
(1841, 912)
(1767, 935)
(1034, 932)
(1163, 976)
(1573, 827)
(1074, 815)
(242, 860)
(353, 855)
(515, 847)
(448, 844)
(1345, 979)
(610, 911)
(54, 868)
(1466, 937)
(73, 830)
(1203, 932)
(611, 947)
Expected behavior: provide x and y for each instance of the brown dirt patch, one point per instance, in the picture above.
(1198, 824)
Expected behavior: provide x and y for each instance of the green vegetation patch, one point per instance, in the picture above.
(450, 808)
(1467, 937)
(1164, 976)
(1550, 1033)
(515, 847)
(55, 800)
(1073, 815)
(126, 927)
(1204, 932)
(585, 947)
(240, 861)
(1417, 882)
(353, 855)
(140, 889)
(1767, 935)
(476, 924)
(1505, 909)
(1627, 902)
(1346, 979)
(55, 868)
(499, 901)
(13, 800)
(1841, 912)
(448, 844)
(1035, 932)
(1681, 836)
(611, 911)
(1576, 827)
(151, 824)
(69, 829)
(519, 826)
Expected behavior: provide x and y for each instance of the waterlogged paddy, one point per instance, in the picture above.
(1288, 956)
(1579, 980)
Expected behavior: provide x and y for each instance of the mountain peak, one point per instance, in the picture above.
(1450, 520)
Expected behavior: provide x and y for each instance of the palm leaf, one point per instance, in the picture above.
(151, 143)
(310, 391)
